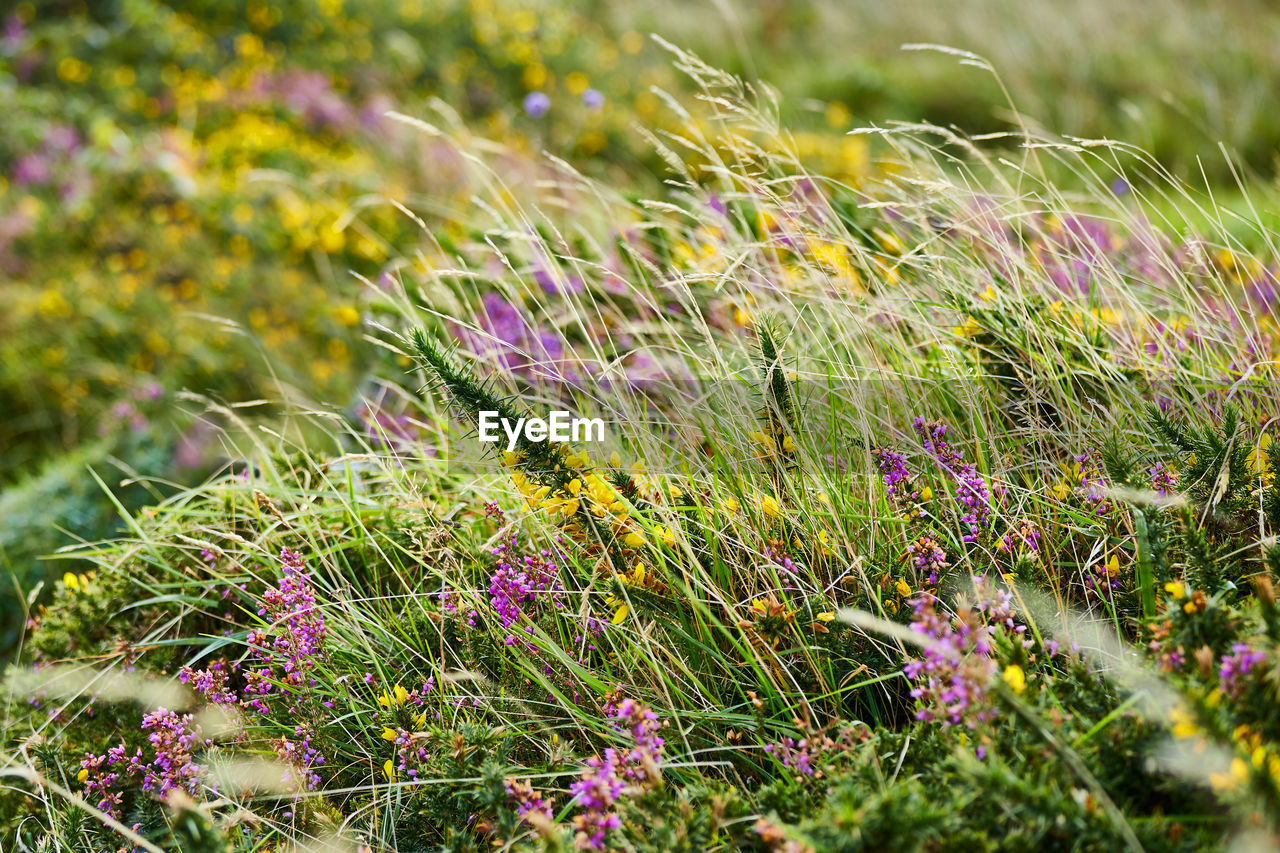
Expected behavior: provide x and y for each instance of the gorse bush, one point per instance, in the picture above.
(934, 513)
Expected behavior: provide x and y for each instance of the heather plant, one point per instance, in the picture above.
(937, 514)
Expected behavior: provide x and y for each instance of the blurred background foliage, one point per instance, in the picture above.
(191, 193)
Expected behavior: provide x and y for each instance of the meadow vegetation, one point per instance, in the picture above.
(937, 508)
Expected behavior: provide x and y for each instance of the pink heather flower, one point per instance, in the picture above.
(301, 757)
(1023, 533)
(972, 493)
(595, 793)
(605, 779)
(1236, 666)
(519, 583)
(1093, 483)
(210, 683)
(528, 800)
(952, 677)
(1163, 480)
(174, 740)
(793, 754)
(893, 471)
(928, 559)
(293, 640)
(804, 755)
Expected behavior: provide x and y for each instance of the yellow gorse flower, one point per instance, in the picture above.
(1015, 678)
(1236, 775)
(394, 698)
(1259, 461)
(1183, 726)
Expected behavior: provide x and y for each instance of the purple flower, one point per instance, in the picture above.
(289, 647)
(536, 104)
(593, 99)
(1237, 665)
(31, 169)
(952, 677)
(528, 800)
(1163, 479)
(595, 793)
(519, 582)
(1093, 482)
(14, 33)
(210, 683)
(972, 493)
(928, 559)
(301, 757)
(605, 779)
(173, 739)
(893, 470)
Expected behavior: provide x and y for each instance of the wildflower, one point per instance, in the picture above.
(1236, 666)
(1093, 483)
(970, 329)
(605, 779)
(621, 609)
(295, 638)
(520, 582)
(595, 793)
(593, 99)
(211, 683)
(1103, 580)
(1024, 533)
(1015, 678)
(1195, 603)
(806, 755)
(301, 756)
(972, 492)
(1259, 460)
(1236, 775)
(893, 470)
(929, 560)
(1183, 725)
(173, 741)
(1177, 589)
(536, 104)
(1163, 480)
(952, 677)
(394, 698)
(528, 800)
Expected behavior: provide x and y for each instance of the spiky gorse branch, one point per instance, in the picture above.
(780, 423)
(599, 508)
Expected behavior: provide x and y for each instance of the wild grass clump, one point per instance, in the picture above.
(935, 514)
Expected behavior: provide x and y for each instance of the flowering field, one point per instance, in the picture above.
(935, 507)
